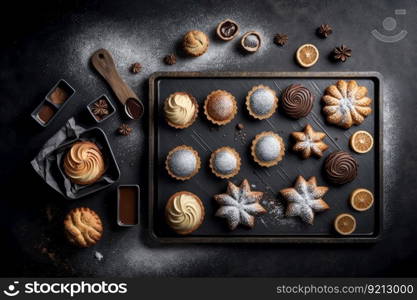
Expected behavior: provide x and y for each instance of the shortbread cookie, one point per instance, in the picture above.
(83, 227)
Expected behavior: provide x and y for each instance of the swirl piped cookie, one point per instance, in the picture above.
(184, 212)
(346, 104)
(181, 110)
(84, 163)
(297, 101)
(340, 167)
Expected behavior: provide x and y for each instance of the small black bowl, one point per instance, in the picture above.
(111, 108)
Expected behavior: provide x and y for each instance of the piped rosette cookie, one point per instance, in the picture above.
(184, 212)
(181, 110)
(84, 163)
(297, 101)
(340, 167)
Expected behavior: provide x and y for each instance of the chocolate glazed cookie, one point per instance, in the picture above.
(340, 167)
(297, 101)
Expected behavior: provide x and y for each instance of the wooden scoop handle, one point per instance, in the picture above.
(104, 64)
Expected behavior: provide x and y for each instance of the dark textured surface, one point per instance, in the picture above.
(206, 138)
(31, 213)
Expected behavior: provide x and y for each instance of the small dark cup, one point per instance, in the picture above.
(137, 201)
(111, 108)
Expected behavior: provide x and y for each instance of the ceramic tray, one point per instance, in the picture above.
(205, 138)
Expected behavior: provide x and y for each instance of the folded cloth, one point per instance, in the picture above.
(49, 160)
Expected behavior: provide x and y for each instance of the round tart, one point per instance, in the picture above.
(181, 110)
(182, 162)
(345, 224)
(195, 43)
(340, 167)
(225, 162)
(261, 102)
(307, 55)
(220, 107)
(361, 141)
(267, 149)
(297, 101)
(227, 30)
(184, 212)
(84, 163)
(83, 227)
(361, 199)
(251, 41)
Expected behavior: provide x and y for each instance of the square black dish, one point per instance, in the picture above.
(205, 138)
(53, 103)
(110, 107)
(111, 174)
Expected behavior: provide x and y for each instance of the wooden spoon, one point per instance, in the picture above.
(104, 64)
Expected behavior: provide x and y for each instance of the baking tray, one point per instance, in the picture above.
(204, 137)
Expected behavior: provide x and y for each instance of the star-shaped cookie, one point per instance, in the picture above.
(239, 205)
(304, 199)
(309, 142)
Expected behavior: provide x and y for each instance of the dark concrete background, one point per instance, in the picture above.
(44, 41)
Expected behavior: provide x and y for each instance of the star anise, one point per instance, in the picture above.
(324, 30)
(100, 108)
(170, 59)
(124, 129)
(135, 68)
(342, 53)
(280, 39)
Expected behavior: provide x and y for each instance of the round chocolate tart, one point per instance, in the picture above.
(340, 167)
(251, 41)
(180, 109)
(227, 30)
(182, 162)
(261, 102)
(225, 162)
(184, 212)
(220, 107)
(297, 101)
(267, 149)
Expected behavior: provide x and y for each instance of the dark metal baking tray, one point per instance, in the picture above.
(204, 137)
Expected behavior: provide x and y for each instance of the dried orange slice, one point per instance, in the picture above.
(307, 55)
(361, 141)
(361, 199)
(345, 224)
